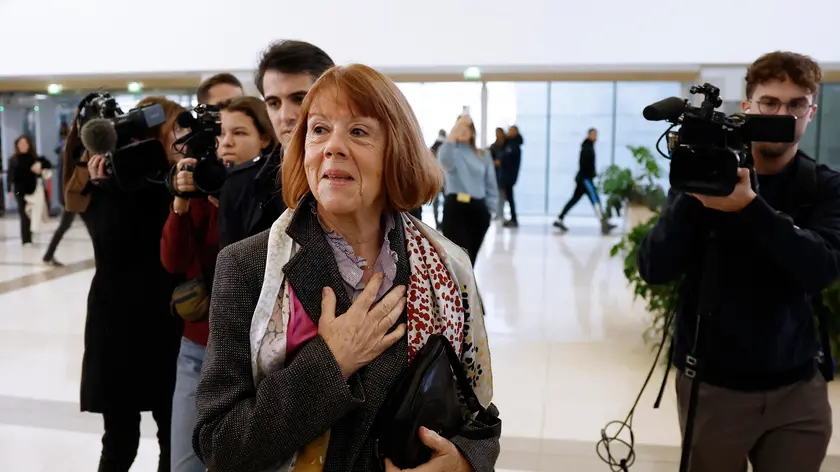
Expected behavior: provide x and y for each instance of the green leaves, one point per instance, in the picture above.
(621, 186)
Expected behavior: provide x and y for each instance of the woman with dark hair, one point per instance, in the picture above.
(189, 246)
(472, 191)
(26, 168)
(131, 337)
(497, 150)
(289, 385)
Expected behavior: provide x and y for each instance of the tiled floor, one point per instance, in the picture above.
(568, 355)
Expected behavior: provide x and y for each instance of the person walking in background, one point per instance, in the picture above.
(510, 171)
(472, 192)
(67, 217)
(497, 150)
(585, 186)
(441, 137)
(25, 169)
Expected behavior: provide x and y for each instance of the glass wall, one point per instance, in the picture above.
(575, 108)
(524, 104)
(554, 119)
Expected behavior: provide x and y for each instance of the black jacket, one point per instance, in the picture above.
(512, 160)
(22, 181)
(250, 201)
(586, 167)
(762, 334)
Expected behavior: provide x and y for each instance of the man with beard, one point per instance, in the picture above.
(749, 263)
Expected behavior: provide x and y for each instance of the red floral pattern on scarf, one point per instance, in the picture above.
(433, 300)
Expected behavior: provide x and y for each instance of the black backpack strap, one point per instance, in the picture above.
(800, 205)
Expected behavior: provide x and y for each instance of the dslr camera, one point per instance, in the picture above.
(709, 147)
(210, 172)
(132, 158)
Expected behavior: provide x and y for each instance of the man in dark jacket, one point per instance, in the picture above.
(510, 165)
(585, 185)
(760, 256)
(250, 201)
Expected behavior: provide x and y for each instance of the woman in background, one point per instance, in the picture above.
(189, 246)
(510, 171)
(472, 191)
(131, 337)
(25, 172)
(497, 150)
(67, 217)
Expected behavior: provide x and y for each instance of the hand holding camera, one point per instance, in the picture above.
(183, 184)
(96, 167)
(735, 201)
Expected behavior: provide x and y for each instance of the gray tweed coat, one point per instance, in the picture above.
(246, 429)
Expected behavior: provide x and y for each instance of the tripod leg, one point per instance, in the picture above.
(688, 434)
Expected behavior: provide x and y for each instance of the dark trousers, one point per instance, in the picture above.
(781, 430)
(508, 195)
(465, 224)
(25, 231)
(67, 218)
(584, 187)
(122, 438)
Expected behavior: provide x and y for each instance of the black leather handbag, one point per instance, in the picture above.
(426, 395)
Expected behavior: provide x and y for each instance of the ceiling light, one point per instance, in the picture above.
(472, 73)
(54, 89)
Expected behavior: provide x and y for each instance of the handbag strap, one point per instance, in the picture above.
(490, 426)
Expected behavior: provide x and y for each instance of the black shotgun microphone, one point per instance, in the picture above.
(668, 109)
(99, 136)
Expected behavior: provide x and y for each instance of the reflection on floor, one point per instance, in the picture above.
(565, 335)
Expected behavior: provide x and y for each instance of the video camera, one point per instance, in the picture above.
(709, 147)
(210, 172)
(133, 159)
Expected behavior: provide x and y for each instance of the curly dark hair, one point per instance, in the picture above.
(783, 65)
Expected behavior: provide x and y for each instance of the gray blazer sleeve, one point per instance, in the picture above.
(242, 428)
(482, 455)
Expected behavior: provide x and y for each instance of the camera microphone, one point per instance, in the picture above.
(99, 136)
(668, 109)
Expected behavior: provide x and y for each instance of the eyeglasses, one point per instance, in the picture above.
(797, 107)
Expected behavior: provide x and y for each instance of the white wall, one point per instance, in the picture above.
(114, 36)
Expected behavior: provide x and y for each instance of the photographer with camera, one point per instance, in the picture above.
(749, 386)
(131, 337)
(250, 201)
(189, 246)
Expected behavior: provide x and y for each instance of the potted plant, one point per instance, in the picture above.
(637, 191)
(661, 300)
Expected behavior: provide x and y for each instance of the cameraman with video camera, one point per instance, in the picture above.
(747, 266)
(131, 337)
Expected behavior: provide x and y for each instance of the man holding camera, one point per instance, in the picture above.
(251, 201)
(748, 265)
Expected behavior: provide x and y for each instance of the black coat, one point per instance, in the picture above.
(22, 181)
(250, 201)
(586, 166)
(512, 160)
(131, 339)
